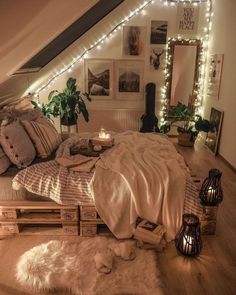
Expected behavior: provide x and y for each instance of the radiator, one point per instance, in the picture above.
(116, 120)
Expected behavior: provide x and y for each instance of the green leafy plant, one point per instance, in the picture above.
(67, 104)
(189, 123)
(43, 107)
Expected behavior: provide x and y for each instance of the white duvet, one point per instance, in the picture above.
(143, 175)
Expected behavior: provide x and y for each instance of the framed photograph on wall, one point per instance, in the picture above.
(98, 75)
(187, 19)
(134, 41)
(215, 73)
(158, 32)
(157, 57)
(213, 137)
(129, 79)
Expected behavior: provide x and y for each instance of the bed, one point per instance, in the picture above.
(142, 175)
(7, 193)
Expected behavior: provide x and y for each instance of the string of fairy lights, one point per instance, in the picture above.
(96, 44)
(200, 85)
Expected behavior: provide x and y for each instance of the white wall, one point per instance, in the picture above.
(113, 49)
(223, 40)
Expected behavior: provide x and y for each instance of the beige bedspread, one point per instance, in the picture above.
(7, 193)
(143, 175)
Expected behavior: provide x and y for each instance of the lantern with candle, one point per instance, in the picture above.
(188, 239)
(211, 193)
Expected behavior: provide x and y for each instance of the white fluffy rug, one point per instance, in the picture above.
(67, 265)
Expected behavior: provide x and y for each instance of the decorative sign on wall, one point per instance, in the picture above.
(134, 38)
(158, 32)
(99, 77)
(215, 72)
(213, 137)
(129, 79)
(157, 57)
(187, 19)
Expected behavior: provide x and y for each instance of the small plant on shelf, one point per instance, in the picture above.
(189, 125)
(67, 104)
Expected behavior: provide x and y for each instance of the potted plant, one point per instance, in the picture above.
(188, 126)
(67, 104)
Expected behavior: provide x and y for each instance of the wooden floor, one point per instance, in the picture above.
(212, 273)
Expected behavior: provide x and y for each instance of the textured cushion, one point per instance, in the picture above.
(4, 161)
(44, 136)
(6, 117)
(17, 144)
(28, 114)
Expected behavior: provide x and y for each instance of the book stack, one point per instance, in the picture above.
(104, 142)
(149, 232)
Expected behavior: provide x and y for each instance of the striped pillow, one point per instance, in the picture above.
(4, 161)
(44, 136)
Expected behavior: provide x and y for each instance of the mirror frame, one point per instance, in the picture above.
(170, 58)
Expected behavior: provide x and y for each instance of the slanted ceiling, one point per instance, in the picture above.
(68, 36)
(32, 33)
(27, 26)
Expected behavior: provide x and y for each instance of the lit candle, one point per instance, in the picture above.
(102, 133)
(187, 243)
(210, 193)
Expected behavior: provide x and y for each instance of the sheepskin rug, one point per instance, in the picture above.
(70, 266)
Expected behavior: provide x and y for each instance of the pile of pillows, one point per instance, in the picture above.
(25, 134)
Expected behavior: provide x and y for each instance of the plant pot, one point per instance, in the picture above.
(186, 139)
(69, 121)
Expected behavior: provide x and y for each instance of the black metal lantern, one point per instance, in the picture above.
(211, 193)
(188, 239)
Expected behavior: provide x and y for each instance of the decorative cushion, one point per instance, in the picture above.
(44, 136)
(4, 161)
(17, 144)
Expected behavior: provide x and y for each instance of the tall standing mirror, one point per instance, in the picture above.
(183, 71)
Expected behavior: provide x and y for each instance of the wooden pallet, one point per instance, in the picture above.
(208, 220)
(90, 222)
(37, 218)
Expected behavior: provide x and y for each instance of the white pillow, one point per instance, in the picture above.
(4, 161)
(17, 144)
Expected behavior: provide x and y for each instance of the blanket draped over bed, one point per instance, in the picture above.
(142, 175)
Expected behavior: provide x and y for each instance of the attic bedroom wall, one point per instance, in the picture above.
(223, 41)
(112, 49)
(26, 26)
